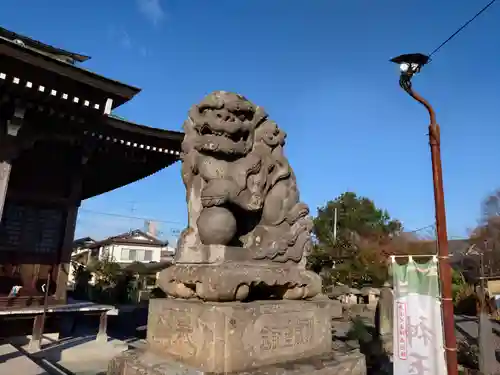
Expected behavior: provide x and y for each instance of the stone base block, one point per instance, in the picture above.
(234, 336)
(140, 362)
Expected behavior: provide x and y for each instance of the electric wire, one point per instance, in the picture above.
(127, 216)
(462, 27)
(431, 226)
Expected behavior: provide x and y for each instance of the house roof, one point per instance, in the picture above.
(459, 247)
(36, 54)
(455, 247)
(83, 240)
(80, 242)
(120, 123)
(122, 151)
(136, 237)
(120, 139)
(42, 47)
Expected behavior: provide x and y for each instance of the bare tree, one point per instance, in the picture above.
(486, 236)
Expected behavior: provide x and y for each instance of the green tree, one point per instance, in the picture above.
(114, 284)
(106, 270)
(82, 277)
(356, 254)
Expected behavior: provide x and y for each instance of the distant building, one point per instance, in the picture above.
(126, 248)
(457, 248)
(80, 252)
(82, 242)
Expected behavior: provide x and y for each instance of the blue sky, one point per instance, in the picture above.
(320, 68)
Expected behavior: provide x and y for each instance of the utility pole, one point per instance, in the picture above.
(132, 215)
(335, 225)
(410, 64)
(487, 357)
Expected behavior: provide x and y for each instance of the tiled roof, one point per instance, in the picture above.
(130, 238)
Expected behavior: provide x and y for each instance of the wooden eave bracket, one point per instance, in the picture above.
(17, 139)
(89, 146)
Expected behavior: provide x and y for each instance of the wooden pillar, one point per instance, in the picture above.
(67, 244)
(10, 129)
(36, 334)
(102, 335)
(5, 167)
(74, 201)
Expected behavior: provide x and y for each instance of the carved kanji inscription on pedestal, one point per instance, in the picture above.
(292, 332)
(178, 332)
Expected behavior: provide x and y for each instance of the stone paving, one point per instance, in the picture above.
(86, 357)
(78, 355)
(81, 355)
(12, 359)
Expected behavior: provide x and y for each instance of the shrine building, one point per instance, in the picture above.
(60, 144)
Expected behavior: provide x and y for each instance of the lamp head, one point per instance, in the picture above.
(409, 64)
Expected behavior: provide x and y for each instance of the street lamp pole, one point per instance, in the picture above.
(411, 64)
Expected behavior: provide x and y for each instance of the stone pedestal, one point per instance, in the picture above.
(143, 362)
(232, 337)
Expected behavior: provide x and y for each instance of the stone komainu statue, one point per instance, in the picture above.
(248, 233)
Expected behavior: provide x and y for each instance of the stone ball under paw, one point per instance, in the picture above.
(216, 226)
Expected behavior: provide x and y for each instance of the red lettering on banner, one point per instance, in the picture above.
(402, 331)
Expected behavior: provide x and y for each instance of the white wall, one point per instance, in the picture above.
(130, 253)
(168, 253)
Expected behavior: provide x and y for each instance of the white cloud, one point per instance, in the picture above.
(125, 40)
(119, 35)
(152, 10)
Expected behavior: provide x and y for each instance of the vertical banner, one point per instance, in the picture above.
(417, 323)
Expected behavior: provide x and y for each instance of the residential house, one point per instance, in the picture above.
(80, 252)
(464, 258)
(82, 243)
(135, 246)
(130, 247)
